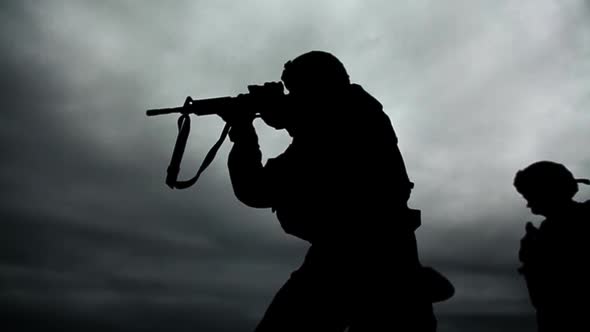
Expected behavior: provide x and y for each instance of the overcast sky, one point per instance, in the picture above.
(91, 237)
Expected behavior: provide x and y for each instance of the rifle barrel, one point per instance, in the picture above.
(160, 111)
(199, 107)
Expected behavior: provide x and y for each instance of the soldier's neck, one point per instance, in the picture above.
(561, 209)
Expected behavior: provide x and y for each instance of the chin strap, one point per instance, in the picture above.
(184, 127)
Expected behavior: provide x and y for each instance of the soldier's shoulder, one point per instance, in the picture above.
(361, 95)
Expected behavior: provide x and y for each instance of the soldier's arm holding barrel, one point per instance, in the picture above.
(249, 177)
(247, 174)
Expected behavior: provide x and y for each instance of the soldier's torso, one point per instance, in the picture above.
(564, 247)
(335, 184)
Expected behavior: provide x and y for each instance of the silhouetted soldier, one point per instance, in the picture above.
(342, 186)
(555, 255)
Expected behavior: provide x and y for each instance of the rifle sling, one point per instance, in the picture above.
(184, 127)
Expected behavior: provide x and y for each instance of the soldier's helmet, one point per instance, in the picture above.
(315, 72)
(548, 179)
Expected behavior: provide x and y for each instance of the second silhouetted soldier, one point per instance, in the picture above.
(554, 256)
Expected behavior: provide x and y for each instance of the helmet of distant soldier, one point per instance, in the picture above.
(547, 177)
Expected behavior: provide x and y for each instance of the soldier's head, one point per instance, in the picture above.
(547, 186)
(315, 74)
(316, 82)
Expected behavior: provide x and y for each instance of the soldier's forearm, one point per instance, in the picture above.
(247, 173)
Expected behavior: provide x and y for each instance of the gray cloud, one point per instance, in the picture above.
(90, 236)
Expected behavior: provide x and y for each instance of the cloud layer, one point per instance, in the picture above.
(91, 237)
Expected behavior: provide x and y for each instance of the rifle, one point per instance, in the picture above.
(210, 106)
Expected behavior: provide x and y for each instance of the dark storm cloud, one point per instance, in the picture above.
(92, 239)
(86, 240)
